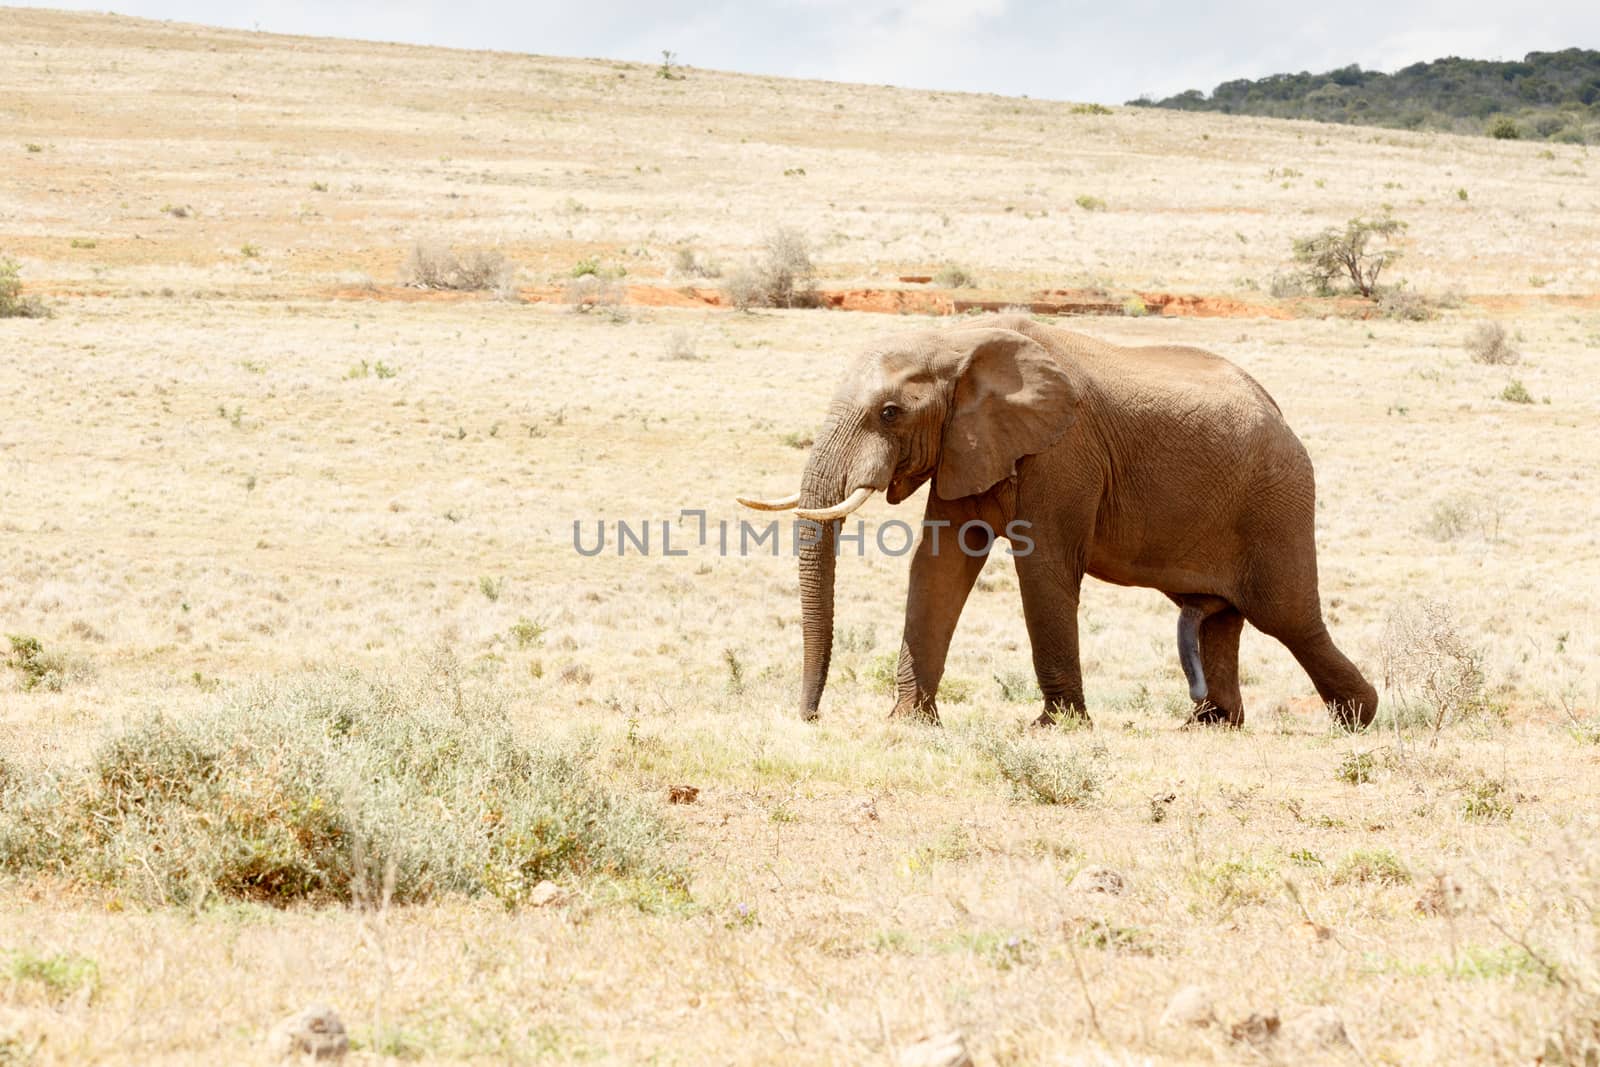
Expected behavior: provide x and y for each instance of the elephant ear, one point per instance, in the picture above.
(1012, 399)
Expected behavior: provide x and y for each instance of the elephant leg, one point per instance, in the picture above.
(942, 575)
(1219, 652)
(1050, 608)
(1341, 685)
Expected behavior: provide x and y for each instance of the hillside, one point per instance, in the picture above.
(1552, 96)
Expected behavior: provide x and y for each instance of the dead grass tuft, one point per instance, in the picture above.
(434, 265)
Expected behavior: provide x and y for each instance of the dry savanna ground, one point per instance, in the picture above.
(307, 692)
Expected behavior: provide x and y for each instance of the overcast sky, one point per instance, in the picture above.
(1109, 52)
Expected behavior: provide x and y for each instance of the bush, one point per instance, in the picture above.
(36, 668)
(591, 291)
(784, 276)
(432, 265)
(1371, 865)
(321, 791)
(1425, 653)
(1487, 344)
(1046, 773)
(1351, 252)
(1505, 128)
(13, 305)
(1091, 203)
(1399, 302)
(686, 263)
(1285, 284)
(1516, 393)
(951, 276)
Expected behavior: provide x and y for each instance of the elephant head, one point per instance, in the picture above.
(959, 406)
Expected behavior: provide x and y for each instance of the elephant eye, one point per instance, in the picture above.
(889, 413)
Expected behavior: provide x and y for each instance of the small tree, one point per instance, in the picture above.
(1360, 251)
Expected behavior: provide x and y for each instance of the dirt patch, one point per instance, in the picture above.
(877, 301)
(1187, 305)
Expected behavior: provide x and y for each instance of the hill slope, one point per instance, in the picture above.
(329, 159)
(1548, 95)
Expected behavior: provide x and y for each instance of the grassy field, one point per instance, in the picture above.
(321, 689)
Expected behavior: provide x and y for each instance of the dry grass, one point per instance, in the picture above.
(249, 516)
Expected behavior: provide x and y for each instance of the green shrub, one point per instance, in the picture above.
(1090, 203)
(1486, 799)
(1356, 768)
(1045, 771)
(13, 305)
(36, 668)
(59, 975)
(321, 791)
(1505, 128)
(1371, 865)
(1516, 393)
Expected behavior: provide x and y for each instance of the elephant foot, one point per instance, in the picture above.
(1208, 714)
(911, 709)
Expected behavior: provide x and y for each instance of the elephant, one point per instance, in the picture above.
(1164, 467)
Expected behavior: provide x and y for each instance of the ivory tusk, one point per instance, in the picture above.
(839, 510)
(783, 503)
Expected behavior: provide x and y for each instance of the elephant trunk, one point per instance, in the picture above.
(822, 486)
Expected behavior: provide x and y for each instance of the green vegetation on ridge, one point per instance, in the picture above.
(1547, 96)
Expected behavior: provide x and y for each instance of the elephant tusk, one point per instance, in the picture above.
(839, 510)
(783, 503)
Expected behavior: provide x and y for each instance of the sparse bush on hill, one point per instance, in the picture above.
(686, 263)
(783, 277)
(433, 265)
(311, 791)
(1487, 344)
(1400, 302)
(13, 305)
(951, 276)
(1360, 252)
(593, 291)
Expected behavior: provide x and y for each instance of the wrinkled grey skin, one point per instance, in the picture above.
(1163, 467)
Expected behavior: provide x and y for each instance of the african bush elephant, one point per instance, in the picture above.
(1163, 467)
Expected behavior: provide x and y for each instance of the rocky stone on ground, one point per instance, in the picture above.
(1189, 1007)
(316, 1033)
(1094, 879)
(941, 1050)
